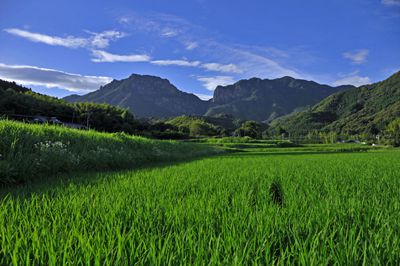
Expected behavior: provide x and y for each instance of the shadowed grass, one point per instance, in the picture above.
(276, 193)
(339, 209)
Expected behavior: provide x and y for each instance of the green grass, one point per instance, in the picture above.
(237, 209)
(283, 146)
(311, 148)
(30, 151)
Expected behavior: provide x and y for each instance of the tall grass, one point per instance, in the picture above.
(238, 209)
(29, 151)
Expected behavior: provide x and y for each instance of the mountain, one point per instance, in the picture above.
(366, 109)
(253, 99)
(146, 96)
(264, 99)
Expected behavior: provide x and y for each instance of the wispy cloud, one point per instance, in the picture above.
(225, 57)
(102, 39)
(160, 24)
(391, 2)
(96, 40)
(253, 64)
(51, 78)
(176, 63)
(168, 32)
(357, 57)
(352, 79)
(124, 20)
(210, 83)
(229, 68)
(191, 45)
(164, 25)
(103, 56)
(70, 41)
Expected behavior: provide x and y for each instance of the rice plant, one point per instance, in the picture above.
(338, 209)
(30, 151)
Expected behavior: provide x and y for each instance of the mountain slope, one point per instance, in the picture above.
(367, 109)
(264, 99)
(253, 99)
(20, 103)
(145, 96)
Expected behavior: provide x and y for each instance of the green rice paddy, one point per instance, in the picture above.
(235, 209)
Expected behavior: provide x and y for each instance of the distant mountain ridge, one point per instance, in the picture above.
(145, 96)
(366, 109)
(265, 99)
(252, 99)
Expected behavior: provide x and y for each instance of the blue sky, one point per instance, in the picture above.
(65, 47)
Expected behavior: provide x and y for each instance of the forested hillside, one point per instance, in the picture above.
(367, 109)
(18, 102)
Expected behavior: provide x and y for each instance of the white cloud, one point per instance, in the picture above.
(124, 19)
(103, 56)
(176, 63)
(357, 57)
(191, 45)
(160, 24)
(391, 2)
(168, 32)
(210, 83)
(253, 64)
(51, 78)
(97, 40)
(230, 68)
(353, 79)
(204, 97)
(70, 41)
(102, 39)
(250, 61)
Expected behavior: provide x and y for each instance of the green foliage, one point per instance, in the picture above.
(108, 118)
(200, 128)
(364, 110)
(249, 129)
(30, 151)
(195, 126)
(337, 209)
(393, 130)
(20, 103)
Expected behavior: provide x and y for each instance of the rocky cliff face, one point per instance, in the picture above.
(252, 99)
(146, 96)
(264, 99)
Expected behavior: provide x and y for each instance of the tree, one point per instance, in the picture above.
(393, 129)
(249, 129)
(200, 128)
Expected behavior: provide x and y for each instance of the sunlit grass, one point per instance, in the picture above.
(309, 209)
(30, 151)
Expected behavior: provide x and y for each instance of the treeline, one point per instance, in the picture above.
(366, 111)
(20, 103)
(17, 102)
(222, 126)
